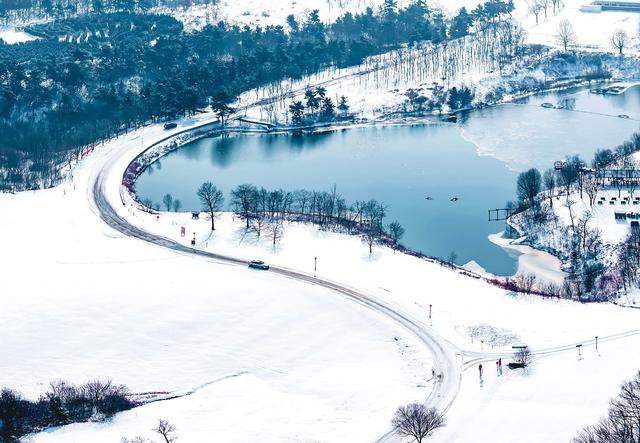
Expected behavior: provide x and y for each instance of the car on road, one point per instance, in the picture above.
(170, 125)
(258, 264)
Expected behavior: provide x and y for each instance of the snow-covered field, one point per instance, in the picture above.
(301, 362)
(82, 302)
(264, 358)
(12, 36)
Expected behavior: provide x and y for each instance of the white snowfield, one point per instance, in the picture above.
(260, 357)
(270, 359)
(12, 36)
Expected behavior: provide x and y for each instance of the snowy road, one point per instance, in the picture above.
(104, 199)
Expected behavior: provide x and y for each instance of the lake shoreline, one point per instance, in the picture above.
(528, 259)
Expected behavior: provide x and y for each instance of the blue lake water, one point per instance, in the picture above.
(476, 160)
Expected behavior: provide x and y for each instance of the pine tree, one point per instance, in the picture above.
(343, 106)
(297, 112)
(328, 109)
(57, 411)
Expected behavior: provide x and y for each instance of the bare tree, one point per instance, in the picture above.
(396, 231)
(245, 200)
(583, 228)
(257, 224)
(544, 4)
(212, 200)
(549, 182)
(167, 430)
(526, 282)
(417, 421)
(535, 7)
(524, 356)
(619, 40)
(630, 166)
(529, 185)
(177, 205)
(168, 201)
(565, 35)
(275, 231)
(622, 423)
(369, 238)
(591, 187)
(569, 205)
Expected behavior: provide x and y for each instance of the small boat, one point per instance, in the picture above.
(455, 199)
(548, 105)
(428, 197)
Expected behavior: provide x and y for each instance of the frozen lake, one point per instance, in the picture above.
(476, 160)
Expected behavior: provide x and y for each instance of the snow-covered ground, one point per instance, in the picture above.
(12, 36)
(302, 362)
(270, 359)
(80, 302)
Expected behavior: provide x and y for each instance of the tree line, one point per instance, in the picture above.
(63, 403)
(13, 10)
(91, 77)
(580, 243)
(622, 422)
(265, 211)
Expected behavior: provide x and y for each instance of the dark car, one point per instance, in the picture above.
(258, 264)
(170, 125)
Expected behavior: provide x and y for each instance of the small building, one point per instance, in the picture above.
(635, 224)
(612, 5)
(620, 215)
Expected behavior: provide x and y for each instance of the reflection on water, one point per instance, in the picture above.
(401, 166)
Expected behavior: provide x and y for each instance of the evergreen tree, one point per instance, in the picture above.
(461, 24)
(313, 101)
(328, 109)
(343, 106)
(57, 411)
(297, 112)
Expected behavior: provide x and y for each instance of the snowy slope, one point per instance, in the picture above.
(82, 302)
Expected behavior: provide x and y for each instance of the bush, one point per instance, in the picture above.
(63, 403)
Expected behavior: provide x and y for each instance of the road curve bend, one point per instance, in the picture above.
(447, 364)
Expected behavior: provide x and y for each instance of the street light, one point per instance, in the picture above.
(596, 343)
(315, 265)
(430, 312)
(579, 351)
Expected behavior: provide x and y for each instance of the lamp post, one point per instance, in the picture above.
(579, 351)
(430, 306)
(315, 265)
(596, 343)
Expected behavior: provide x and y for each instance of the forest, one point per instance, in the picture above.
(93, 76)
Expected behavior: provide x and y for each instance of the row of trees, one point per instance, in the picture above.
(595, 275)
(14, 10)
(63, 403)
(317, 106)
(566, 37)
(265, 211)
(484, 14)
(91, 77)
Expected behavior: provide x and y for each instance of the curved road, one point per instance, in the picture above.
(448, 359)
(447, 366)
